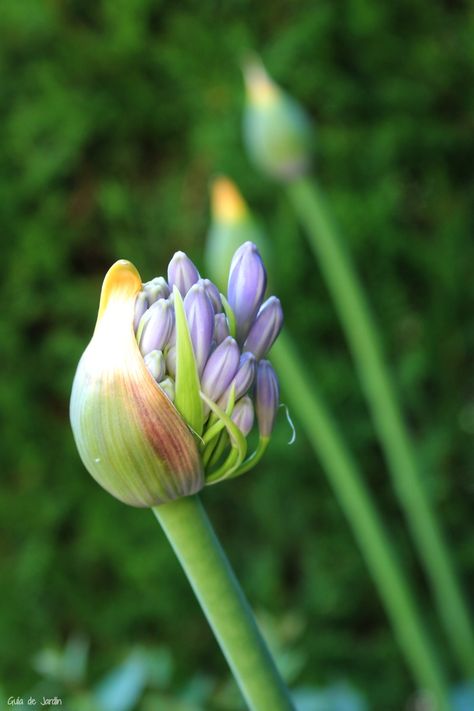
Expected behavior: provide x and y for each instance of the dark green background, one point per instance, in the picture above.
(114, 117)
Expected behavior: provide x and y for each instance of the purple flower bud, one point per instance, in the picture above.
(155, 362)
(243, 380)
(156, 289)
(220, 369)
(243, 415)
(171, 361)
(265, 328)
(247, 284)
(267, 397)
(141, 305)
(182, 272)
(213, 294)
(167, 385)
(157, 326)
(200, 317)
(221, 328)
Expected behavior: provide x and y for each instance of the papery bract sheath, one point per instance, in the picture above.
(130, 437)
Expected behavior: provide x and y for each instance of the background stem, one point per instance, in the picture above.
(192, 537)
(361, 333)
(367, 526)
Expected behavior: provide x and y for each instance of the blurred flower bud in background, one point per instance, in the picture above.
(277, 131)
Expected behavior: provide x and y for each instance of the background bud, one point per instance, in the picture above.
(155, 362)
(277, 132)
(220, 369)
(156, 289)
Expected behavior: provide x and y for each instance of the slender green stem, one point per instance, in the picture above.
(367, 526)
(361, 333)
(193, 539)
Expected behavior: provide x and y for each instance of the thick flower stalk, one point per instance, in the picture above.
(167, 391)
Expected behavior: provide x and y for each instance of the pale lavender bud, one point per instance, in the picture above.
(220, 369)
(267, 397)
(157, 326)
(155, 362)
(243, 380)
(171, 361)
(167, 385)
(243, 415)
(200, 317)
(221, 328)
(156, 289)
(247, 284)
(141, 305)
(182, 272)
(265, 328)
(213, 294)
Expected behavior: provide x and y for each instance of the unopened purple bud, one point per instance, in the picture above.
(171, 361)
(200, 317)
(141, 305)
(182, 272)
(155, 362)
(243, 380)
(221, 328)
(168, 387)
(156, 289)
(267, 397)
(220, 369)
(243, 415)
(247, 284)
(157, 326)
(213, 294)
(265, 328)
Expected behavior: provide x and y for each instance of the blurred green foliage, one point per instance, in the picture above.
(115, 115)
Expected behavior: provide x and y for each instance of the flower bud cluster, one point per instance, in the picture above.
(230, 336)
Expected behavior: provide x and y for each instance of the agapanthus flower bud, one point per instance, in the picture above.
(154, 402)
(155, 289)
(200, 316)
(243, 380)
(247, 284)
(129, 435)
(213, 294)
(141, 305)
(267, 397)
(170, 359)
(265, 328)
(277, 131)
(243, 415)
(155, 362)
(168, 387)
(220, 368)
(221, 328)
(182, 273)
(156, 326)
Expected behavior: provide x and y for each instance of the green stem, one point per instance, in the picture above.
(360, 510)
(192, 537)
(361, 333)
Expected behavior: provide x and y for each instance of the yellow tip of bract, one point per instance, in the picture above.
(261, 89)
(130, 437)
(227, 203)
